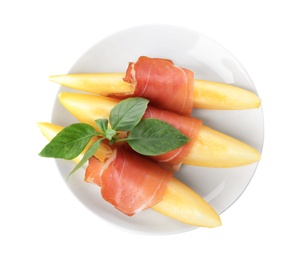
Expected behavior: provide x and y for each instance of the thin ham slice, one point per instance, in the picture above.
(167, 86)
(129, 181)
(188, 125)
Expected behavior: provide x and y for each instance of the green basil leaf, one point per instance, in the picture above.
(69, 142)
(88, 154)
(128, 113)
(154, 137)
(102, 124)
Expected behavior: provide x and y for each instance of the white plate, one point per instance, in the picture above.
(220, 187)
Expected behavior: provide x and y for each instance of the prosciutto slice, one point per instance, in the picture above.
(188, 125)
(129, 181)
(167, 86)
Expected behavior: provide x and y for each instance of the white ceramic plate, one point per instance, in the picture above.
(210, 61)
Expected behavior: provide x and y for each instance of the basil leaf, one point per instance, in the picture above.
(69, 142)
(154, 137)
(102, 124)
(88, 154)
(128, 113)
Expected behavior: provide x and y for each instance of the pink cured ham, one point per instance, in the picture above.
(129, 181)
(189, 126)
(167, 86)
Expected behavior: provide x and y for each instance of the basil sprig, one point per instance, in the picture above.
(149, 137)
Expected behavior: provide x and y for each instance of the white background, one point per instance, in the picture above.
(41, 219)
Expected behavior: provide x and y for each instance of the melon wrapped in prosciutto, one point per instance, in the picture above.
(164, 84)
(176, 200)
(210, 148)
